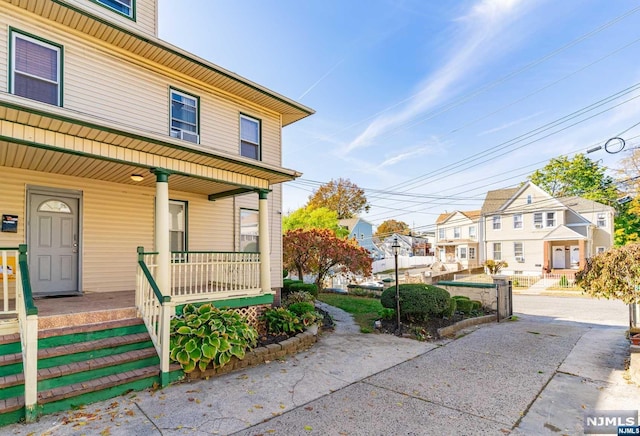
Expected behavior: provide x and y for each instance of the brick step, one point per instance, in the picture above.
(80, 372)
(10, 344)
(11, 404)
(89, 332)
(64, 397)
(11, 363)
(55, 356)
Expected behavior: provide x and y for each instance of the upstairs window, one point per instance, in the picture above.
(36, 69)
(441, 234)
(537, 220)
(497, 251)
(551, 219)
(497, 223)
(456, 232)
(184, 116)
(124, 7)
(472, 232)
(601, 220)
(517, 221)
(518, 251)
(250, 137)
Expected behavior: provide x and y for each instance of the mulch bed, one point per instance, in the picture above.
(425, 330)
(266, 339)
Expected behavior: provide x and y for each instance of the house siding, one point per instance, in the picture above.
(145, 14)
(134, 93)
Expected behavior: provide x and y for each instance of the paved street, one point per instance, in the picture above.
(535, 375)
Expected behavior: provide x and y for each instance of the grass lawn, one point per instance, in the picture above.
(364, 309)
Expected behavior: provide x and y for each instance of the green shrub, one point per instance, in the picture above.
(386, 313)
(460, 297)
(564, 282)
(464, 306)
(306, 287)
(286, 287)
(417, 301)
(298, 297)
(453, 304)
(206, 335)
(477, 305)
(280, 320)
(299, 309)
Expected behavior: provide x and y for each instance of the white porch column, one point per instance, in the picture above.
(263, 241)
(163, 271)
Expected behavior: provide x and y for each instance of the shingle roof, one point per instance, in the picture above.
(581, 205)
(471, 214)
(496, 198)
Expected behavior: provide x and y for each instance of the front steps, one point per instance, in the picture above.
(78, 364)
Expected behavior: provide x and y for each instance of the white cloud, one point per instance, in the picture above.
(477, 43)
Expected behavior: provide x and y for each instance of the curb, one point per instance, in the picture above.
(451, 330)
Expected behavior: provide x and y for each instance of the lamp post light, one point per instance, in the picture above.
(396, 248)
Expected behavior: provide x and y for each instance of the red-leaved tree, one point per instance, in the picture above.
(319, 251)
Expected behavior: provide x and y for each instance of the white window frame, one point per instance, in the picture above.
(550, 217)
(178, 132)
(497, 222)
(456, 233)
(600, 249)
(518, 223)
(178, 226)
(472, 232)
(244, 141)
(15, 34)
(518, 251)
(249, 229)
(442, 234)
(472, 253)
(601, 219)
(538, 220)
(462, 252)
(497, 251)
(130, 4)
(529, 199)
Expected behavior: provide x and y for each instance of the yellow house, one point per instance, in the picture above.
(130, 164)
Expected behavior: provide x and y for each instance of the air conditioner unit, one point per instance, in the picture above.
(186, 136)
(519, 259)
(538, 226)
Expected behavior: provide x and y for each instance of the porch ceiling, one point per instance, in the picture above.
(49, 138)
(164, 54)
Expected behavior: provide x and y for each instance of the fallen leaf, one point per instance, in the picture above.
(309, 408)
(106, 432)
(258, 406)
(129, 412)
(308, 428)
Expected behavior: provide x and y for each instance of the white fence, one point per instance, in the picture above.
(404, 262)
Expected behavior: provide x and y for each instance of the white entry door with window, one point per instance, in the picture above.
(53, 239)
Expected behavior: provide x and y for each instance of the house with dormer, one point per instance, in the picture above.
(457, 239)
(535, 232)
(128, 164)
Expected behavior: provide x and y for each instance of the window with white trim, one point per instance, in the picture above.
(497, 251)
(517, 221)
(497, 222)
(472, 232)
(601, 220)
(456, 232)
(518, 251)
(124, 7)
(472, 253)
(551, 219)
(36, 69)
(250, 137)
(529, 199)
(177, 225)
(184, 116)
(441, 233)
(462, 252)
(600, 250)
(537, 220)
(249, 230)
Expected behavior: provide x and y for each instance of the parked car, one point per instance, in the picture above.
(376, 286)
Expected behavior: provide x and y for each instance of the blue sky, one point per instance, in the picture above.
(427, 104)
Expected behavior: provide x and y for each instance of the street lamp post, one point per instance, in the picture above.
(396, 248)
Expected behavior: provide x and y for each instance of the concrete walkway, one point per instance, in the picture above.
(535, 375)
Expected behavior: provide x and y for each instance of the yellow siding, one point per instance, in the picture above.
(145, 14)
(100, 82)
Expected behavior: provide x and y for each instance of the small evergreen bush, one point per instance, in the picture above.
(453, 304)
(301, 308)
(477, 305)
(464, 306)
(286, 287)
(306, 287)
(417, 301)
(460, 297)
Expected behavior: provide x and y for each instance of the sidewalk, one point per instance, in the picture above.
(535, 375)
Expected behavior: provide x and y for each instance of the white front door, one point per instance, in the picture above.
(53, 244)
(558, 258)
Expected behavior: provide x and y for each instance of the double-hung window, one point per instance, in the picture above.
(36, 67)
(472, 232)
(601, 220)
(456, 232)
(462, 252)
(551, 219)
(178, 226)
(250, 137)
(497, 251)
(441, 234)
(537, 220)
(472, 252)
(517, 221)
(249, 230)
(184, 116)
(497, 223)
(518, 251)
(124, 7)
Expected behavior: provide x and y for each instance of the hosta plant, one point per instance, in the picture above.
(206, 335)
(280, 320)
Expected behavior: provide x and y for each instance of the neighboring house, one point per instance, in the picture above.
(112, 139)
(405, 244)
(362, 231)
(535, 232)
(457, 238)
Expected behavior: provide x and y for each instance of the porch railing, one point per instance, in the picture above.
(28, 322)
(214, 275)
(155, 310)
